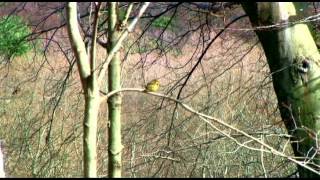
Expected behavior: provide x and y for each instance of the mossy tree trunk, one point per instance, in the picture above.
(294, 62)
(114, 102)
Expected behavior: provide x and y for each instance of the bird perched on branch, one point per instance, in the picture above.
(153, 86)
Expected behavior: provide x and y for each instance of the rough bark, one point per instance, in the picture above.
(294, 62)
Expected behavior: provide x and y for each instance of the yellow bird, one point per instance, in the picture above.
(153, 86)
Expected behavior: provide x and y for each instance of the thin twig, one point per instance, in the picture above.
(117, 46)
(205, 118)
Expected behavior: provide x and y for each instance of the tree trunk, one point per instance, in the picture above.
(114, 102)
(294, 62)
(91, 92)
(90, 133)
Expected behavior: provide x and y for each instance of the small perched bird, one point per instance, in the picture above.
(153, 86)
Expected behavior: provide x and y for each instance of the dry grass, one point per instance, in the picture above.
(232, 83)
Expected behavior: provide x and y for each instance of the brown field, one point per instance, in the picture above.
(232, 83)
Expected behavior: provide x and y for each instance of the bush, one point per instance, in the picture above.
(13, 33)
(163, 22)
